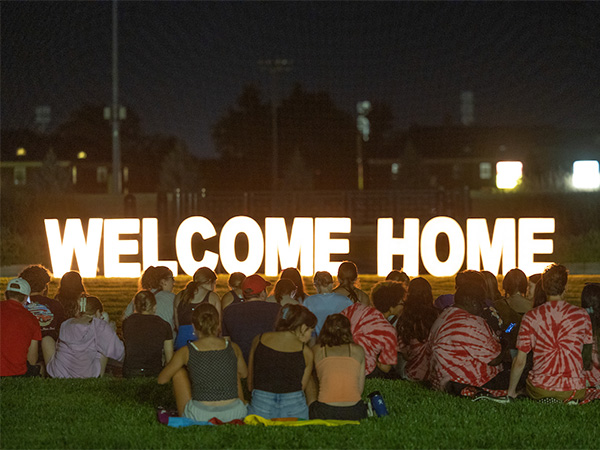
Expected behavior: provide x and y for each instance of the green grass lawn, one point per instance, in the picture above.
(118, 413)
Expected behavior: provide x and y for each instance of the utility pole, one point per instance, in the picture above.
(363, 128)
(275, 67)
(117, 185)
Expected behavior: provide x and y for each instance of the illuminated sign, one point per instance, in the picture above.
(309, 245)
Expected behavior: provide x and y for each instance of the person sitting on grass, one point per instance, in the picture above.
(21, 333)
(48, 311)
(285, 292)
(146, 336)
(590, 300)
(70, 290)
(211, 385)
(398, 275)
(413, 326)
(531, 285)
(243, 321)
(463, 347)
(160, 281)
(292, 274)
(560, 336)
(340, 367)
(371, 329)
(325, 302)
(199, 290)
(235, 294)
(281, 364)
(85, 343)
(347, 276)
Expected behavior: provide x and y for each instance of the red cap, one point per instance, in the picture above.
(254, 285)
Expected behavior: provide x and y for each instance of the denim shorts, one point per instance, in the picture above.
(270, 405)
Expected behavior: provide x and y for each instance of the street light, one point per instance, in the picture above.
(364, 128)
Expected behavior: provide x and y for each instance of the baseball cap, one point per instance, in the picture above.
(254, 284)
(19, 285)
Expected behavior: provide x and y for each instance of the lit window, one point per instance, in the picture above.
(485, 171)
(395, 167)
(508, 174)
(20, 176)
(74, 174)
(81, 155)
(586, 175)
(125, 174)
(101, 174)
(21, 151)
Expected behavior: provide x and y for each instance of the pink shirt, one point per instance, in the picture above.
(556, 332)
(80, 347)
(417, 359)
(462, 345)
(376, 335)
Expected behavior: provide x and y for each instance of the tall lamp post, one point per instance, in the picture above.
(117, 185)
(363, 127)
(275, 67)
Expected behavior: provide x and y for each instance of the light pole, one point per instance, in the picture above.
(117, 186)
(363, 127)
(275, 67)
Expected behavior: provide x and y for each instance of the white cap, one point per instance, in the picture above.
(19, 285)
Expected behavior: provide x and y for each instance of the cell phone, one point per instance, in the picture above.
(510, 327)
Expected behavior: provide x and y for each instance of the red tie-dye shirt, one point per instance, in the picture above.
(556, 332)
(376, 335)
(462, 345)
(418, 355)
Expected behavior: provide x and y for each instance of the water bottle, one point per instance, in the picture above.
(378, 404)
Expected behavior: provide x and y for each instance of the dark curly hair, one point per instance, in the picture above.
(37, 276)
(418, 314)
(335, 331)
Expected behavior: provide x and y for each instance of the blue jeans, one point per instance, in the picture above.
(270, 405)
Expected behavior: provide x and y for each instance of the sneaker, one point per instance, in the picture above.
(491, 398)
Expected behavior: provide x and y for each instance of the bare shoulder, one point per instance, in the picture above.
(213, 297)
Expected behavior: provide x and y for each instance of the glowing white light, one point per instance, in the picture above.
(388, 246)
(150, 246)
(508, 174)
(586, 175)
(503, 245)
(325, 246)
(115, 247)
(87, 251)
(298, 247)
(529, 246)
(256, 245)
(456, 240)
(183, 244)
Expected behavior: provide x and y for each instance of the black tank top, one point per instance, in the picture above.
(185, 310)
(236, 298)
(278, 372)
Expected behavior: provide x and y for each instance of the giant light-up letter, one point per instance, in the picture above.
(150, 246)
(325, 246)
(502, 245)
(456, 239)
(115, 247)
(183, 244)
(528, 245)
(299, 247)
(256, 246)
(388, 246)
(87, 251)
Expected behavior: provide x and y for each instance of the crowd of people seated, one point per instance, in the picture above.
(307, 356)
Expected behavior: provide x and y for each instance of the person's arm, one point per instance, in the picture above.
(214, 300)
(32, 353)
(251, 363)
(176, 302)
(516, 371)
(360, 354)
(242, 370)
(168, 348)
(179, 359)
(308, 360)
(226, 300)
(587, 356)
(128, 311)
(363, 298)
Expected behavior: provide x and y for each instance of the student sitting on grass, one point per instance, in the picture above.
(590, 300)
(285, 292)
(340, 367)
(199, 290)
(463, 346)
(281, 364)
(85, 343)
(371, 329)
(211, 386)
(70, 290)
(146, 336)
(325, 302)
(236, 294)
(413, 326)
(292, 274)
(347, 276)
(160, 281)
(559, 335)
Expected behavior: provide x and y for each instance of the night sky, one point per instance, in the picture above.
(182, 64)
